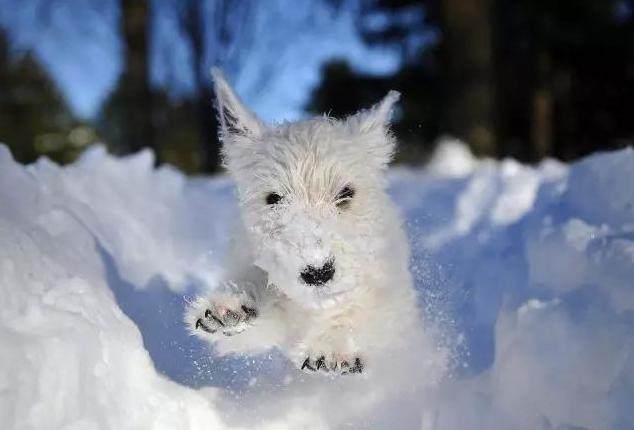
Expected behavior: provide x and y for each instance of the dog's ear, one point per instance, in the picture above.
(374, 126)
(234, 117)
(378, 116)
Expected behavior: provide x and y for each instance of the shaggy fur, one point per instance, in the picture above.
(310, 193)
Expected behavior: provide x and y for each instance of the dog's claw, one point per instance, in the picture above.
(358, 366)
(307, 365)
(321, 363)
(201, 326)
(218, 320)
(232, 317)
(250, 312)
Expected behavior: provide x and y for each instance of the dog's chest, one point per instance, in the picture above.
(344, 315)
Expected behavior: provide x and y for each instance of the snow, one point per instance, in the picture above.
(451, 159)
(527, 271)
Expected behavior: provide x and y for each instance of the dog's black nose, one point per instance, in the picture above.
(319, 275)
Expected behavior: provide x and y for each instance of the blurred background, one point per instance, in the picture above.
(522, 78)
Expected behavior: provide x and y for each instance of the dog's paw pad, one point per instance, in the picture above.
(335, 365)
(214, 318)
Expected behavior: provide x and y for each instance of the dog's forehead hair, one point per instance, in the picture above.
(311, 158)
(308, 159)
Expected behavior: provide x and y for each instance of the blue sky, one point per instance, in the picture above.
(78, 42)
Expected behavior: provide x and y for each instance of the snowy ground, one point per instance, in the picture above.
(528, 272)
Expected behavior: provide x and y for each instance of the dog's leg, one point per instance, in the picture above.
(332, 354)
(244, 317)
(346, 340)
(331, 347)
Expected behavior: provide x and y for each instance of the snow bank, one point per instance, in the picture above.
(528, 272)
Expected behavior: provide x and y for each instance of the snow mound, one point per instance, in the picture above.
(528, 272)
(451, 159)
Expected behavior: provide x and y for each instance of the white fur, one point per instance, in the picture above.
(369, 309)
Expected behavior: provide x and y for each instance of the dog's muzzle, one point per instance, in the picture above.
(317, 276)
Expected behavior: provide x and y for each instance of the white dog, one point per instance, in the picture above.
(320, 268)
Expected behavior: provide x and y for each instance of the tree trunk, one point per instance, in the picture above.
(208, 129)
(468, 61)
(542, 109)
(193, 25)
(541, 124)
(137, 129)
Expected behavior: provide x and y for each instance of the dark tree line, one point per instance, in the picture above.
(522, 78)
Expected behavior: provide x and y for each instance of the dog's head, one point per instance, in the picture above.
(311, 193)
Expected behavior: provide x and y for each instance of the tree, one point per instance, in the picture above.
(34, 117)
(463, 61)
(136, 126)
(416, 124)
(467, 59)
(210, 33)
(192, 22)
(564, 82)
(126, 118)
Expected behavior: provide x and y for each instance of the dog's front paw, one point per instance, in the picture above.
(333, 364)
(225, 315)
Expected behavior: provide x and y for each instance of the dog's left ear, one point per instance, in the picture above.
(374, 126)
(378, 116)
(236, 120)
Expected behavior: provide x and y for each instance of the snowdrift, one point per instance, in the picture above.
(527, 271)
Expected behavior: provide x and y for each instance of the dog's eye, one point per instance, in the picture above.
(345, 195)
(273, 198)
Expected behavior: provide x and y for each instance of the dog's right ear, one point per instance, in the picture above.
(235, 119)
